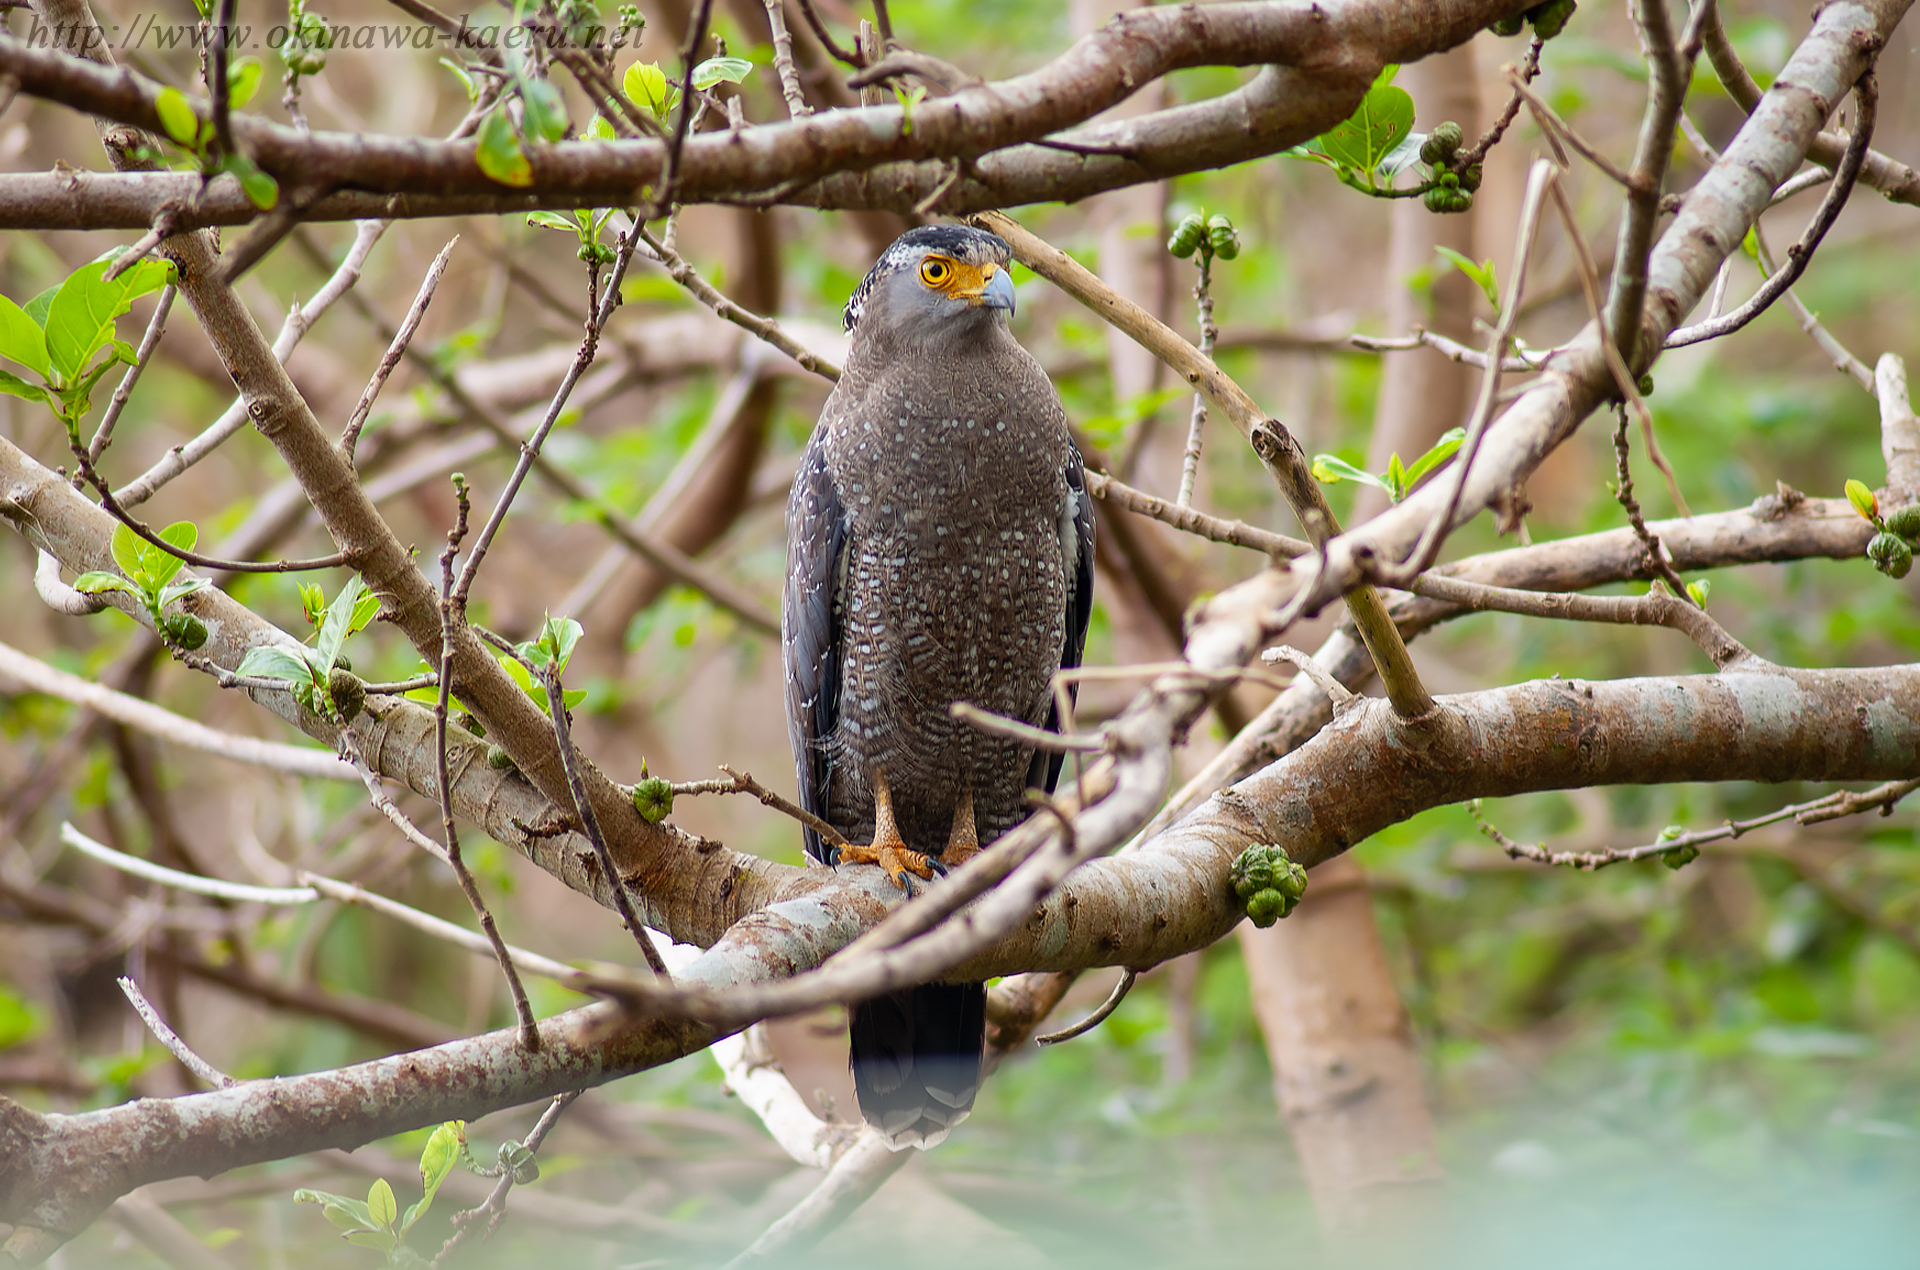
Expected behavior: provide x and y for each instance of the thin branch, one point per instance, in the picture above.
(1624, 610)
(168, 1037)
(1866, 93)
(1657, 561)
(1899, 429)
(590, 822)
(1000, 725)
(1529, 70)
(103, 435)
(670, 179)
(450, 617)
(826, 39)
(743, 783)
(238, 892)
(1526, 360)
(58, 596)
(297, 760)
(797, 107)
(396, 348)
(298, 322)
(441, 929)
(1559, 132)
(1832, 807)
(766, 328)
(1098, 1017)
(1196, 425)
(112, 506)
(1336, 691)
(494, 1207)
(1540, 178)
(530, 449)
(1234, 533)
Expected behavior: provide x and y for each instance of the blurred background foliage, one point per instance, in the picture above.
(1711, 1065)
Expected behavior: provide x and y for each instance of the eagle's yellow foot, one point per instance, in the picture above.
(889, 849)
(891, 856)
(963, 841)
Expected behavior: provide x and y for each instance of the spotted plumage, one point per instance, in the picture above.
(940, 549)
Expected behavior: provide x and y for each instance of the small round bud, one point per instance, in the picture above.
(1863, 501)
(653, 799)
(348, 692)
(1905, 521)
(1551, 18)
(1441, 143)
(1645, 386)
(1891, 554)
(1442, 199)
(1187, 236)
(1267, 883)
(1267, 907)
(1223, 237)
(519, 1162)
(1509, 26)
(498, 759)
(184, 630)
(342, 662)
(1470, 178)
(1682, 858)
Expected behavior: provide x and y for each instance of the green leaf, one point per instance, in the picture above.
(1862, 499)
(181, 590)
(717, 70)
(552, 220)
(364, 611)
(260, 188)
(598, 129)
(1482, 273)
(338, 623)
(128, 551)
(344, 1212)
(178, 117)
(183, 534)
(381, 1205)
(1332, 469)
(441, 1153)
(81, 318)
(243, 81)
(1383, 121)
(498, 152)
(1442, 450)
(378, 1240)
(466, 79)
(557, 638)
(571, 697)
(36, 308)
(518, 673)
(1699, 591)
(22, 340)
(1396, 476)
(15, 386)
(99, 583)
(645, 85)
(277, 661)
(546, 110)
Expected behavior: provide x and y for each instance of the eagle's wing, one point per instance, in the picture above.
(810, 627)
(1076, 546)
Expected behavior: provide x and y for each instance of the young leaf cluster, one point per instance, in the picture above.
(1398, 480)
(1891, 550)
(378, 1223)
(558, 635)
(59, 332)
(186, 127)
(318, 675)
(147, 573)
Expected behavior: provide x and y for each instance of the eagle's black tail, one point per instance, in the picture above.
(916, 1059)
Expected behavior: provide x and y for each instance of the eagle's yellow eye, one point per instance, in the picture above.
(935, 273)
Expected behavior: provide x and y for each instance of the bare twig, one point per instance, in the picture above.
(797, 107)
(670, 179)
(1899, 429)
(1529, 69)
(298, 760)
(1098, 1017)
(1832, 807)
(1336, 691)
(1232, 532)
(590, 822)
(58, 596)
(1657, 561)
(827, 41)
(766, 328)
(168, 1037)
(1000, 725)
(441, 929)
(1799, 255)
(299, 321)
(238, 892)
(1680, 614)
(450, 617)
(1525, 360)
(1196, 426)
(103, 435)
(396, 349)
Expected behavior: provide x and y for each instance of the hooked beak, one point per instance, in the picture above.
(998, 291)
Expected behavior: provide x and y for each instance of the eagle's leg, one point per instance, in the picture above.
(963, 841)
(889, 849)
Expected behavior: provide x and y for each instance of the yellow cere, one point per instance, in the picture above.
(955, 277)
